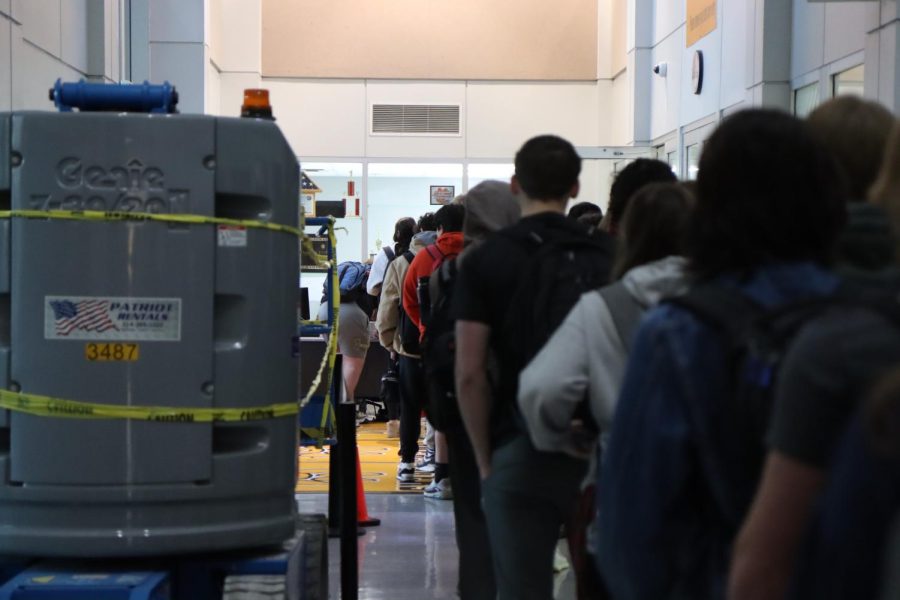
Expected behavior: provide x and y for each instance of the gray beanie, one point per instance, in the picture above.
(490, 206)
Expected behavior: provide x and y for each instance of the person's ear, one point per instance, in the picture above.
(573, 193)
(514, 186)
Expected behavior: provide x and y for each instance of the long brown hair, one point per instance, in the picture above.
(885, 191)
(654, 226)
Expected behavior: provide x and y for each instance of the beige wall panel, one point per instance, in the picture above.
(621, 113)
(412, 146)
(619, 37)
(321, 118)
(241, 31)
(501, 116)
(411, 39)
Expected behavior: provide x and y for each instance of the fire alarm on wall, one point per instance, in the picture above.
(697, 72)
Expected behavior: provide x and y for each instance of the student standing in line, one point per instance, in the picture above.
(673, 487)
(388, 316)
(627, 182)
(490, 206)
(353, 323)
(404, 229)
(527, 494)
(834, 361)
(579, 371)
(449, 220)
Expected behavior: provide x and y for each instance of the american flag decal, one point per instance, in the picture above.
(86, 315)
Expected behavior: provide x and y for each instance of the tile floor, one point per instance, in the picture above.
(411, 555)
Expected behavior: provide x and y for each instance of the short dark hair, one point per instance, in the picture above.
(404, 230)
(426, 222)
(584, 208)
(547, 167)
(450, 217)
(654, 226)
(629, 180)
(767, 192)
(591, 219)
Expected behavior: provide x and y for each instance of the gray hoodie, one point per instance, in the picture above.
(586, 355)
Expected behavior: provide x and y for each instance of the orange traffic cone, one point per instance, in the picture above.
(362, 514)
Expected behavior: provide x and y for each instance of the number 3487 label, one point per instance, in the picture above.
(112, 352)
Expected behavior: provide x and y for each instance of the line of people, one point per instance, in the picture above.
(700, 389)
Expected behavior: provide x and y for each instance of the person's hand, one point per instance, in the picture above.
(393, 356)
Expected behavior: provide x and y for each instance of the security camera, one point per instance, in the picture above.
(661, 69)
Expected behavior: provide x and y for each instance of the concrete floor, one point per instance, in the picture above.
(411, 555)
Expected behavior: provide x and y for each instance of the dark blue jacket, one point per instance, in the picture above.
(669, 502)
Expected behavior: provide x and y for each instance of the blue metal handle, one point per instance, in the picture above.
(85, 96)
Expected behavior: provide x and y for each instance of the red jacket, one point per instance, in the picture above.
(426, 261)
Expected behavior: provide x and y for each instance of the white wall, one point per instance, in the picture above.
(759, 52)
(177, 32)
(42, 40)
(330, 118)
(235, 53)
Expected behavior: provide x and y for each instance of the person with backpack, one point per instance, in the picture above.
(627, 182)
(512, 292)
(490, 206)
(353, 322)
(686, 445)
(835, 360)
(449, 220)
(388, 322)
(567, 394)
(404, 229)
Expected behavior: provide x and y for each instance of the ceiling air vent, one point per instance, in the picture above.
(415, 119)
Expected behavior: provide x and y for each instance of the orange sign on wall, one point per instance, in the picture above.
(701, 19)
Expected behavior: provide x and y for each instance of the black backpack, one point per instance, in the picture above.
(439, 349)
(406, 329)
(564, 263)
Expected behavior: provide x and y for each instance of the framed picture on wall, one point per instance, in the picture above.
(442, 194)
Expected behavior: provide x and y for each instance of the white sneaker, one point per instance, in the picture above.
(406, 471)
(426, 465)
(441, 490)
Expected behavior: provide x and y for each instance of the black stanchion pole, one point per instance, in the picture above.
(347, 456)
(334, 473)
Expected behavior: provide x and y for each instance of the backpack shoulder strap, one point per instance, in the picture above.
(431, 249)
(626, 312)
(389, 252)
(725, 309)
(409, 256)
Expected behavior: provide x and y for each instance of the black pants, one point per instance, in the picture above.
(412, 393)
(527, 497)
(391, 391)
(476, 568)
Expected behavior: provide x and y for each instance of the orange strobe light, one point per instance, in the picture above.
(256, 104)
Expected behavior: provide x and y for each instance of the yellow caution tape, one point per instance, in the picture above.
(99, 215)
(328, 416)
(46, 406)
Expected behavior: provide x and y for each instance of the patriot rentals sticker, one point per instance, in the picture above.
(112, 318)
